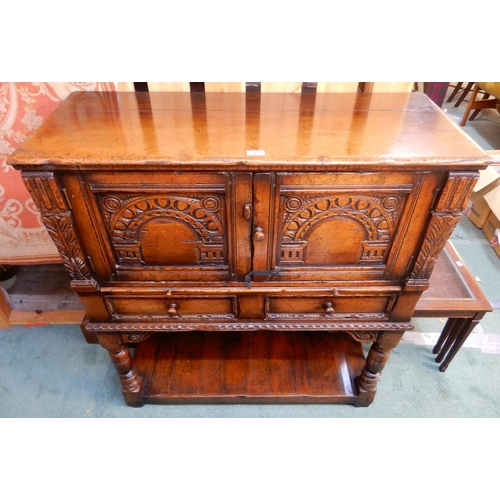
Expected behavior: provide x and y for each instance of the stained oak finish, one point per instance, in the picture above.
(225, 218)
(255, 367)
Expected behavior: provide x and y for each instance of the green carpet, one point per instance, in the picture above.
(51, 371)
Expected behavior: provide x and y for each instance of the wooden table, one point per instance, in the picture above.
(247, 243)
(453, 294)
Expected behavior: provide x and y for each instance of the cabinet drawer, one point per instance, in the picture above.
(373, 307)
(134, 308)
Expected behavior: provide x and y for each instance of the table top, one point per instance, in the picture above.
(453, 291)
(249, 131)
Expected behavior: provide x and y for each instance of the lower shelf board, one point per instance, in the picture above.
(242, 367)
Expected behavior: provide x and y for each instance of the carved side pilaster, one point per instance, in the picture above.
(445, 218)
(61, 230)
(50, 199)
(456, 192)
(437, 235)
(46, 192)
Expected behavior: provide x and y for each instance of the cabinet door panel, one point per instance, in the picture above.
(169, 226)
(342, 226)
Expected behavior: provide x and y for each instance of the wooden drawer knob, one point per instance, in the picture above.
(172, 310)
(329, 308)
(258, 234)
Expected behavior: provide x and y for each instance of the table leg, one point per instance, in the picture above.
(124, 364)
(448, 330)
(458, 326)
(375, 363)
(467, 326)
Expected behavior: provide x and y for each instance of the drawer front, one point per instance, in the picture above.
(370, 308)
(161, 308)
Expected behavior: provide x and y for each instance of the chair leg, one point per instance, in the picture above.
(467, 89)
(469, 106)
(482, 105)
(455, 92)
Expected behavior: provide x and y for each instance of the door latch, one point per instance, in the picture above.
(248, 277)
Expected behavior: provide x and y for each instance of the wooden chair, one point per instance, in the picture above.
(490, 89)
(265, 87)
(465, 92)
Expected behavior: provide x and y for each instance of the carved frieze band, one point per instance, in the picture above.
(437, 235)
(125, 328)
(359, 336)
(457, 191)
(45, 191)
(61, 230)
(377, 215)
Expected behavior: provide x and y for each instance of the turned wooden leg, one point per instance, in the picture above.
(122, 359)
(375, 362)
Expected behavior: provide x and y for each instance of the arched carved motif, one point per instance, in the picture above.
(377, 217)
(126, 216)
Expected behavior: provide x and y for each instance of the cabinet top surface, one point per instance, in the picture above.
(115, 130)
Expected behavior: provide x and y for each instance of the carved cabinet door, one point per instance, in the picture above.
(164, 226)
(339, 226)
(218, 227)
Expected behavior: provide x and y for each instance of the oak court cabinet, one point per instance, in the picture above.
(241, 247)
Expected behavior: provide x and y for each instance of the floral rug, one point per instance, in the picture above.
(23, 107)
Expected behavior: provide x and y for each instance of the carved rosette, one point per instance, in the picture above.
(126, 215)
(135, 337)
(377, 216)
